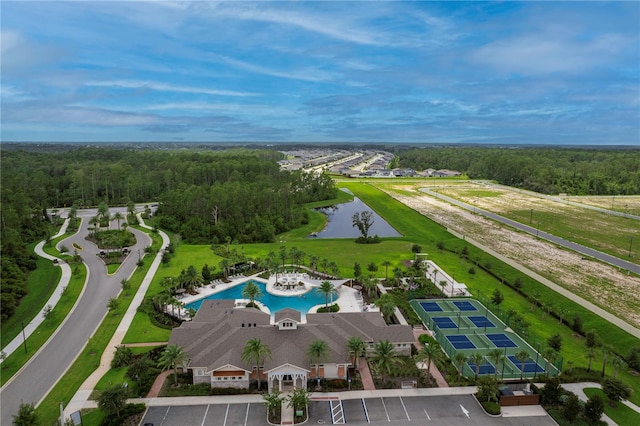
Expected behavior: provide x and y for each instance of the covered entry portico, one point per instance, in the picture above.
(287, 377)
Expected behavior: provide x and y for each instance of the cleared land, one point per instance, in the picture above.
(599, 283)
(626, 204)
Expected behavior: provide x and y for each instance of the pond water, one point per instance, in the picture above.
(340, 222)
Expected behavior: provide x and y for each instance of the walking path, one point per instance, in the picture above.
(82, 395)
(65, 277)
(578, 389)
(365, 374)
(435, 373)
(157, 384)
(563, 291)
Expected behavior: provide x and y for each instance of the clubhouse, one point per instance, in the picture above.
(214, 341)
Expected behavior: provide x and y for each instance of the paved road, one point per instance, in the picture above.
(615, 261)
(40, 375)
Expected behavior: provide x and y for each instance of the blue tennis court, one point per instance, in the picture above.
(501, 340)
(529, 366)
(431, 306)
(463, 305)
(444, 322)
(460, 341)
(481, 321)
(485, 368)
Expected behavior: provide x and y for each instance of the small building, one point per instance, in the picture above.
(214, 341)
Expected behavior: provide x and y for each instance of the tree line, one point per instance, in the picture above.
(207, 197)
(547, 170)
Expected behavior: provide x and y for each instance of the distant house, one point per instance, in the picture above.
(215, 339)
(446, 173)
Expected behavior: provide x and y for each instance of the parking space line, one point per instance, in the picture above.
(405, 409)
(385, 409)
(425, 411)
(226, 414)
(205, 415)
(366, 413)
(246, 416)
(165, 415)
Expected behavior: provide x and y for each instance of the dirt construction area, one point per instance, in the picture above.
(604, 285)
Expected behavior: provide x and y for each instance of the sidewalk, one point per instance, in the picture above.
(79, 400)
(437, 375)
(65, 277)
(365, 374)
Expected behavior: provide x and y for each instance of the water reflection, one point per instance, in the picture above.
(340, 222)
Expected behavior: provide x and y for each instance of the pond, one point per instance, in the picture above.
(340, 221)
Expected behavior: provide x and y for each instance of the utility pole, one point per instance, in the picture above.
(630, 244)
(24, 338)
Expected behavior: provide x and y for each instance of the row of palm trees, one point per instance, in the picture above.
(433, 352)
(255, 352)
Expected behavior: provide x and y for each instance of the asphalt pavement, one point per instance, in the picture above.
(34, 381)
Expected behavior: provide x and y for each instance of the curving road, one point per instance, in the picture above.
(34, 381)
(612, 260)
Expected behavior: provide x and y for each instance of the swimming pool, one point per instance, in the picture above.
(301, 303)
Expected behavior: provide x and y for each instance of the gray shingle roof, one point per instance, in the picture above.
(218, 333)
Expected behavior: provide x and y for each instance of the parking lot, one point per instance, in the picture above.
(406, 410)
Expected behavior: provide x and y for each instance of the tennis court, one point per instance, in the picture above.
(464, 305)
(431, 306)
(480, 321)
(467, 326)
(501, 340)
(529, 366)
(485, 368)
(460, 341)
(444, 322)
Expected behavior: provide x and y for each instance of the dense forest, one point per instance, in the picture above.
(547, 170)
(207, 197)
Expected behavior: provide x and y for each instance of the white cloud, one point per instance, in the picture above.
(162, 87)
(305, 74)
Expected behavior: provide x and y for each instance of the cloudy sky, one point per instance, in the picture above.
(439, 72)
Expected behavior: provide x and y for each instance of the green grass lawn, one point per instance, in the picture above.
(142, 330)
(112, 268)
(41, 283)
(621, 414)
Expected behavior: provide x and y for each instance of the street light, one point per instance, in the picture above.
(630, 244)
(24, 337)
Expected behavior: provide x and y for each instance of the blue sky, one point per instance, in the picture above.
(433, 72)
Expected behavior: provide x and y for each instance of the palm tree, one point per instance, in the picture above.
(551, 355)
(384, 355)
(495, 356)
(617, 363)
(523, 357)
(313, 260)
(171, 357)
(224, 265)
(324, 264)
(591, 355)
(369, 284)
(428, 353)
(459, 361)
(117, 216)
(397, 275)
(387, 305)
(190, 278)
(443, 284)
(356, 347)
(477, 359)
(251, 292)
(93, 225)
(255, 351)
(103, 211)
(317, 350)
(327, 289)
(386, 265)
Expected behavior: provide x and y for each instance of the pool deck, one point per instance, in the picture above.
(349, 299)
